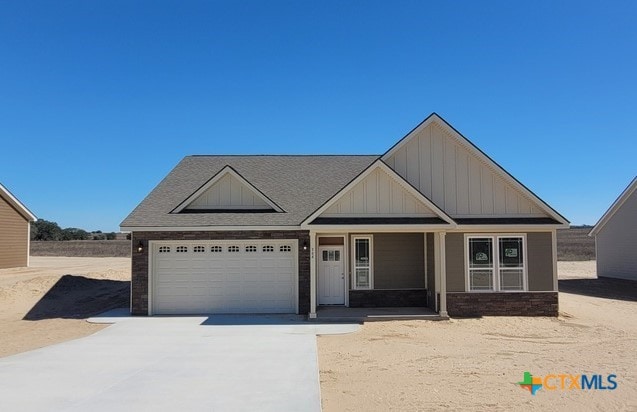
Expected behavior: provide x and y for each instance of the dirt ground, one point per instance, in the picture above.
(474, 364)
(460, 364)
(47, 302)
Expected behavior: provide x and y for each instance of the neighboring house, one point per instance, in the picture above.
(615, 237)
(15, 231)
(432, 222)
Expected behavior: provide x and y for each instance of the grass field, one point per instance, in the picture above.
(82, 248)
(575, 244)
(572, 244)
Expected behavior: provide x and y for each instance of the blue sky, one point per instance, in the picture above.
(100, 99)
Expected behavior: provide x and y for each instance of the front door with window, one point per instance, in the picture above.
(331, 276)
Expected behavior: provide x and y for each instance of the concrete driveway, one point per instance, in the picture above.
(222, 363)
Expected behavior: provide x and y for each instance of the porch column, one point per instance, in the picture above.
(443, 274)
(312, 314)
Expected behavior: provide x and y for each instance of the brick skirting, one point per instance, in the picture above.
(139, 280)
(502, 304)
(387, 298)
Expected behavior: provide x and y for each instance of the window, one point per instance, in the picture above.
(362, 262)
(216, 249)
(181, 249)
(164, 249)
(331, 256)
(268, 248)
(496, 263)
(285, 248)
(251, 248)
(233, 248)
(198, 249)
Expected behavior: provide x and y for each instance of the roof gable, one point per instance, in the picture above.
(630, 191)
(460, 178)
(227, 190)
(16, 204)
(378, 192)
(298, 185)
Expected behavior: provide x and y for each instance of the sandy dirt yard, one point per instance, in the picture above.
(47, 302)
(474, 364)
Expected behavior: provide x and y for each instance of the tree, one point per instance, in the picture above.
(45, 230)
(111, 236)
(73, 233)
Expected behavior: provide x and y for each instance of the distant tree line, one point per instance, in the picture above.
(45, 230)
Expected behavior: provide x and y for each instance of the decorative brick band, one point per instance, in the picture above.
(502, 304)
(139, 280)
(387, 298)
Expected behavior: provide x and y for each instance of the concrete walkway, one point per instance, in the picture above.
(233, 363)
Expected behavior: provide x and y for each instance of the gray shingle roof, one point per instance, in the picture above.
(298, 184)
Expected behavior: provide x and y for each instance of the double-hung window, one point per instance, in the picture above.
(362, 262)
(496, 263)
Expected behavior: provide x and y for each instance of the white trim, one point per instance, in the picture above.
(354, 237)
(495, 237)
(222, 173)
(379, 164)
(499, 228)
(203, 228)
(554, 251)
(318, 274)
(443, 275)
(617, 204)
(464, 142)
(28, 244)
(151, 257)
(437, 275)
(313, 285)
(13, 201)
(377, 228)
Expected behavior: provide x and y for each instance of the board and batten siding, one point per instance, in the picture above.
(228, 191)
(399, 261)
(378, 194)
(539, 261)
(456, 180)
(616, 243)
(14, 232)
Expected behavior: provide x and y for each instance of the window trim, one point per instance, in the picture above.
(370, 238)
(495, 238)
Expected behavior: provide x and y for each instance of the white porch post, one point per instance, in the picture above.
(312, 314)
(443, 274)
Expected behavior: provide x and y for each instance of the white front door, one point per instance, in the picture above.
(331, 276)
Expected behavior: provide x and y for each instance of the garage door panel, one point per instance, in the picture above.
(208, 278)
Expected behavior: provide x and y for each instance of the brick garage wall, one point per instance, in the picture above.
(387, 298)
(139, 280)
(502, 304)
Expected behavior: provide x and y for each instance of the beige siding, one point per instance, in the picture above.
(454, 249)
(617, 242)
(431, 263)
(455, 179)
(539, 247)
(13, 237)
(399, 261)
(228, 191)
(379, 194)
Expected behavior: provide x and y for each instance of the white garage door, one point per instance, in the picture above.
(255, 276)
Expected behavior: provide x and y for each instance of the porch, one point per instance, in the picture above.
(345, 314)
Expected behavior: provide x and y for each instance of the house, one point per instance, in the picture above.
(432, 222)
(15, 231)
(615, 244)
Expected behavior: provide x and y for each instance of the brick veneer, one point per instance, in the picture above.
(502, 304)
(139, 281)
(387, 298)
